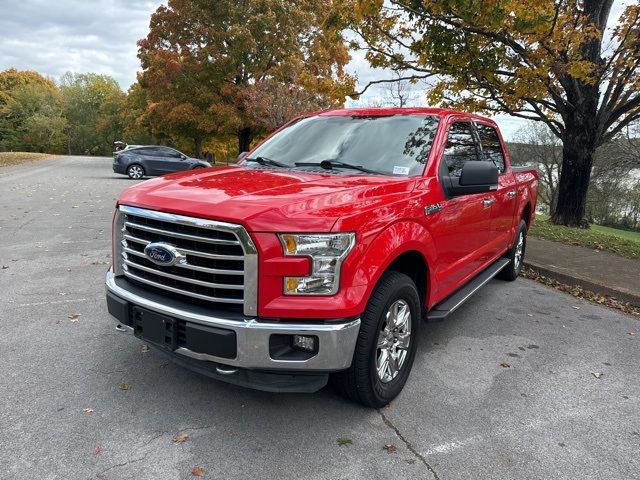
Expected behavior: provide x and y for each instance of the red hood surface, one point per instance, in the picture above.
(266, 200)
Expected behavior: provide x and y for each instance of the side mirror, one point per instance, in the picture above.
(242, 154)
(476, 177)
(183, 156)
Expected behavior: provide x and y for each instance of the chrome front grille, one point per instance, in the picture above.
(218, 263)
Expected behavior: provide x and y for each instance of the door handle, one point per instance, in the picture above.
(487, 202)
(511, 194)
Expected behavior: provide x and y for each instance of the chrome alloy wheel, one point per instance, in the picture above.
(136, 172)
(393, 341)
(519, 250)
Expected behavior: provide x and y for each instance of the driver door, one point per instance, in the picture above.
(462, 229)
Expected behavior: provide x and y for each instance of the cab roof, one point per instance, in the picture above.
(385, 111)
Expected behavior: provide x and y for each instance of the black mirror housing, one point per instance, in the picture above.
(242, 154)
(476, 177)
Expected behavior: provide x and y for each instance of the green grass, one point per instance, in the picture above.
(621, 242)
(626, 234)
(16, 158)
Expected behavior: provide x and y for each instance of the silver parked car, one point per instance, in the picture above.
(139, 161)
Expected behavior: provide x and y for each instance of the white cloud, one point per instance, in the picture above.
(53, 37)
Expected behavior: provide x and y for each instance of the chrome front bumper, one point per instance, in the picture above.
(336, 341)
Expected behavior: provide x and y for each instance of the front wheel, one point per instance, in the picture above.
(386, 344)
(515, 254)
(135, 171)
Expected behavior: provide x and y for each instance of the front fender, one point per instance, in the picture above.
(388, 245)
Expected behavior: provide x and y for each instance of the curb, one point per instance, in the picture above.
(577, 281)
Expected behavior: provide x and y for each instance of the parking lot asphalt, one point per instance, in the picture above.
(506, 388)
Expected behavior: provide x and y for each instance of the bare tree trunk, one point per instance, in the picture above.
(554, 201)
(198, 146)
(244, 140)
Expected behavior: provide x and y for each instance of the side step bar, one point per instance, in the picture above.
(453, 301)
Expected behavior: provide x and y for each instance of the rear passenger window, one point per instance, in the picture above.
(168, 152)
(460, 148)
(143, 151)
(491, 146)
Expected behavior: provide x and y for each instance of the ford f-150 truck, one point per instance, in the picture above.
(319, 254)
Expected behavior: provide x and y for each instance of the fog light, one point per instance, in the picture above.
(304, 342)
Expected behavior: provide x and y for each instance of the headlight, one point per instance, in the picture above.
(327, 251)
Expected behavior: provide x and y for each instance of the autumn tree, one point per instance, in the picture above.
(91, 104)
(136, 128)
(270, 104)
(31, 117)
(203, 58)
(545, 60)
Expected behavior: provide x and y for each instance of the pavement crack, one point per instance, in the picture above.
(408, 444)
(101, 475)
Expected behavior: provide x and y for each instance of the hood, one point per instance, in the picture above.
(265, 200)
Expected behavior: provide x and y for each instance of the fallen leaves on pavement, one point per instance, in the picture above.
(197, 471)
(344, 442)
(390, 448)
(597, 374)
(631, 334)
(580, 292)
(97, 450)
(505, 365)
(124, 386)
(73, 317)
(144, 349)
(180, 438)
(87, 410)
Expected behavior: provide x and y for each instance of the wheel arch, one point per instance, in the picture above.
(413, 264)
(405, 247)
(526, 214)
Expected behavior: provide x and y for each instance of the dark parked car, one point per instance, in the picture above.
(141, 161)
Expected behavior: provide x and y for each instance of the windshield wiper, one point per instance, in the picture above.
(329, 164)
(267, 161)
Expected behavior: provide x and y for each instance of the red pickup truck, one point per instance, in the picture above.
(319, 254)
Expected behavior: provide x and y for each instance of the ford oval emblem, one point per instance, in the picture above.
(162, 254)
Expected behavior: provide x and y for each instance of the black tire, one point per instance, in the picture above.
(136, 171)
(362, 383)
(512, 271)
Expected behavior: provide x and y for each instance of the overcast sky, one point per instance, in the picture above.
(55, 36)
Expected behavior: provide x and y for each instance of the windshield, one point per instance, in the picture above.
(389, 145)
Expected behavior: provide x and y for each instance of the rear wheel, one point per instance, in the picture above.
(135, 171)
(386, 344)
(515, 254)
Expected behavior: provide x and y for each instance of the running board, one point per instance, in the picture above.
(453, 301)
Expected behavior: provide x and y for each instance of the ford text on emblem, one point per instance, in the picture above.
(162, 254)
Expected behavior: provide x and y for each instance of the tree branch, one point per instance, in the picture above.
(390, 80)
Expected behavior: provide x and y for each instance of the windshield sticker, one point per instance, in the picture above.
(400, 170)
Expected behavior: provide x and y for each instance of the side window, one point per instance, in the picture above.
(142, 151)
(491, 146)
(460, 148)
(168, 152)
